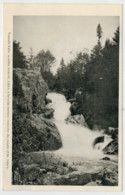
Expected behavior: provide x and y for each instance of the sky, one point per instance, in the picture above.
(64, 36)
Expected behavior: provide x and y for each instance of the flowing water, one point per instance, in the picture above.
(77, 140)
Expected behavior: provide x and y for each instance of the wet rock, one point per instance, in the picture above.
(49, 113)
(76, 119)
(98, 140)
(111, 148)
(106, 158)
(47, 100)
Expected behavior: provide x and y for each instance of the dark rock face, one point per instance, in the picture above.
(75, 108)
(33, 88)
(29, 102)
(46, 132)
(76, 103)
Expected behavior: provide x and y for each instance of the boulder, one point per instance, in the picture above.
(78, 95)
(29, 90)
(46, 132)
(47, 100)
(113, 132)
(92, 183)
(29, 172)
(110, 178)
(112, 147)
(106, 158)
(75, 108)
(49, 113)
(76, 119)
(98, 140)
(73, 179)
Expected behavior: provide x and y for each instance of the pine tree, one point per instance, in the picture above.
(116, 37)
(31, 58)
(99, 32)
(19, 59)
(62, 64)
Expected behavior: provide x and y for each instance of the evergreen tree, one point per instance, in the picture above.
(62, 64)
(116, 37)
(31, 58)
(99, 32)
(19, 59)
(97, 78)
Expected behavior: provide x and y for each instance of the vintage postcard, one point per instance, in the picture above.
(62, 98)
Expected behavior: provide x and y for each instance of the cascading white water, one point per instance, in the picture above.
(77, 140)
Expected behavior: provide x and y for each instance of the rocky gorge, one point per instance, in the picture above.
(36, 138)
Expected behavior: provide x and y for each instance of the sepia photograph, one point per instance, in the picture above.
(65, 100)
(65, 119)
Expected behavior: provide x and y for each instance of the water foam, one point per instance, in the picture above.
(77, 140)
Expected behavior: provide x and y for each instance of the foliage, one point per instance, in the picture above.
(44, 60)
(70, 77)
(31, 60)
(99, 31)
(17, 89)
(96, 76)
(24, 139)
(19, 59)
(49, 78)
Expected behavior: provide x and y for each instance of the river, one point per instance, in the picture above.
(77, 140)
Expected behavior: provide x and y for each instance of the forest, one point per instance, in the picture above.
(90, 81)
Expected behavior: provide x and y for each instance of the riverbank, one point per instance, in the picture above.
(47, 168)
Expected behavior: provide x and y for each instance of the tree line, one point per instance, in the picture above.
(96, 78)
(90, 79)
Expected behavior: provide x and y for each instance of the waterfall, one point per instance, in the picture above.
(77, 140)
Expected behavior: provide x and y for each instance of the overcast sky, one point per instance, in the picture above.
(64, 36)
